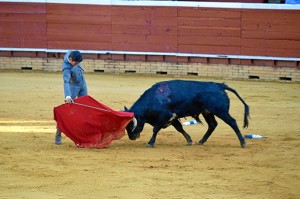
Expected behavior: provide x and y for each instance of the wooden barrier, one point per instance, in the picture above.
(174, 32)
(152, 29)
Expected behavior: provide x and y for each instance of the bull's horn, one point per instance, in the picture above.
(134, 123)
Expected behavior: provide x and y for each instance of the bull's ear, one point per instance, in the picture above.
(125, 108)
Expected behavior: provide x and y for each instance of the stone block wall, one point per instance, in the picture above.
(110, 66)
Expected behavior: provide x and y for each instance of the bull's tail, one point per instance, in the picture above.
(246, 113)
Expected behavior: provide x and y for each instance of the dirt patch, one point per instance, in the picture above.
(31, 166)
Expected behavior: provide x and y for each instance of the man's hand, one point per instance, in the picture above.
(69, 100)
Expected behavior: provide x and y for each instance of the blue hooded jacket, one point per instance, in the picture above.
(292, 2)
(73, 78)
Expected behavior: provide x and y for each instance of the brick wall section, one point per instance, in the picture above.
(230, 71)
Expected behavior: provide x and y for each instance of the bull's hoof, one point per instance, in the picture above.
(244, 145)
(189, 143)
(201, 142)
(150, 145)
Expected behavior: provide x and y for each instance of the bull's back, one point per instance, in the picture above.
(187, 92)
(179, 89)
(178, 92)
(192, 97)
(193, 86)
(183, 97)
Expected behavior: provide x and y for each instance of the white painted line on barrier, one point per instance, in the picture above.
(153, 53)
(234, 5)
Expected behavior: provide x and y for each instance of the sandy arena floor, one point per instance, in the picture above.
(32, 166)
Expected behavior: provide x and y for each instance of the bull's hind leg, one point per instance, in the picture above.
(177, 125)
(232, 123)
(212, 124)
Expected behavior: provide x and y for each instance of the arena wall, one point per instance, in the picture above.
(230, 71)
(231, 40)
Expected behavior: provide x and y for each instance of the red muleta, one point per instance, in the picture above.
(90, 124)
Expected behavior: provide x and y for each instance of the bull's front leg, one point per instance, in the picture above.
(153, 138)
(177, 125)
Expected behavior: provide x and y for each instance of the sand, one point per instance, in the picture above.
(32, 166)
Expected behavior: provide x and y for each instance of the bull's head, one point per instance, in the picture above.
(134, 127)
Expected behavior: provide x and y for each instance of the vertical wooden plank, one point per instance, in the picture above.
(23, 25)
(271, 33)
(144, 28)
(209, 30)
(85, 27)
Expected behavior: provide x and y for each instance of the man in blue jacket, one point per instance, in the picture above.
(74, 81)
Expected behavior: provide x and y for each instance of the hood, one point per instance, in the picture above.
(66, 63)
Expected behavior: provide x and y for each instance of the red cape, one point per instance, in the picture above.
(91, 124)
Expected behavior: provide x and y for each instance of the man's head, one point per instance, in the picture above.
(75, 58)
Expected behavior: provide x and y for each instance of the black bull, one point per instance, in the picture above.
(166, 102)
